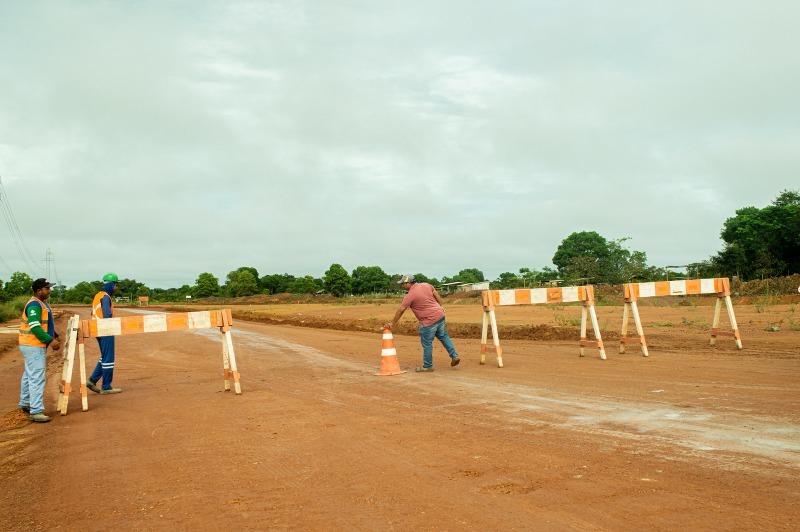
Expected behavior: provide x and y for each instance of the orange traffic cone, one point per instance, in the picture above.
(389, 363)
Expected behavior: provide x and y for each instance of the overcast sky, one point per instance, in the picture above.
(162, 139)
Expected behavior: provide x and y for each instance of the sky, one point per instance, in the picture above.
(163, 139)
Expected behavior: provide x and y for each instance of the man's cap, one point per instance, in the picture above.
(111, 277)
(40, 283)
(407, 278)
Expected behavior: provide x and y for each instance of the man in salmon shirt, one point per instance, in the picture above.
(426, 304)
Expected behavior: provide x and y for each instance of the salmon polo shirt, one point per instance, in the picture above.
(422, 303)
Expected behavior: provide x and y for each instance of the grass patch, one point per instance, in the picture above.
(563, 321)
(12, 310)
(700, 323)
(663, 324)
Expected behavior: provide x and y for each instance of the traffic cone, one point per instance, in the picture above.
(389, 362)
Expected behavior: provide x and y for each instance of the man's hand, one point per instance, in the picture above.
(55, 344)
(387, 326)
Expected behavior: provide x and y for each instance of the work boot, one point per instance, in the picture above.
(39, 418)
(423, 369)
(455, 361)
(25, 409)
(110, 390)
(92, 385)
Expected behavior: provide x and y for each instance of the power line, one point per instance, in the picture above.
(16, 234)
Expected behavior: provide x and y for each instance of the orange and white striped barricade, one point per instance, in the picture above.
(720, 287)
(536, 296)
(180, 321)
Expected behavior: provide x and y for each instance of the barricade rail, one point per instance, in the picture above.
(78, 330)
(720, 287)
(536, 296)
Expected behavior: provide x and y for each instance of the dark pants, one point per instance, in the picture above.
(105, 366)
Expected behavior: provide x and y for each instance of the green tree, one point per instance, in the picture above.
(420, 277)
(81, 293)
(206, 285)
(2, 292)
(241, 283)
(469, 275)
(128, 288)
(20, 284)
(304, 285)
(507, 280)
(337, 281)
(367, 279)
(251, 270)
(577, 252)
(276, 283)
(762, 242)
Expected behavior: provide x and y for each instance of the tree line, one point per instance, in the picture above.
(758, 243)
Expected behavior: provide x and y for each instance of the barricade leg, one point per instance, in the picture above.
(735, 327)
(715, 322)
(597, 333)
(497, 348)
(639, 330)
(624, 333)
(484, 331)
(82, 362)
(237, 387)
(584, 316)
(226, 364)
(69, 353)
(229, 357)
(67, 382)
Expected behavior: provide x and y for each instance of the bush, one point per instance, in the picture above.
(12, 310)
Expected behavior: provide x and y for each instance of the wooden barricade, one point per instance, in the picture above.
(536, 296)
(720, 287)
(79, 330)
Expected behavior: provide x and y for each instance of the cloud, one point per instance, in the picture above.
(174, 139)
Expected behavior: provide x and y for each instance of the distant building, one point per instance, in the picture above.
(468, 287)
(448, 287)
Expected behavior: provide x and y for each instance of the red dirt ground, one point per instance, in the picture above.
(692, 437)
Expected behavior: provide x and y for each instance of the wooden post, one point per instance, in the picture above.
(726, 295)
(227, 321)
(66, 370)
(490, 320)
(587, 302)
(630, 304)
(82, 362)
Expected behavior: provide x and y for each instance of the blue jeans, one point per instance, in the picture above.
(426, 336)
(32, 386)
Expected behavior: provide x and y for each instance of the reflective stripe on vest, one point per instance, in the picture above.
(97, 305)
(26, 337)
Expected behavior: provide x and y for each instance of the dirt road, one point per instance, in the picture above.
(691, 437)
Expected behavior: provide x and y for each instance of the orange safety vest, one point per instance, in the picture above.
(97, 305)
(26, 337)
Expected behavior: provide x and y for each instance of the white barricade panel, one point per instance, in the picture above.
(199, 320)
(647, 289)
(569, 294)
(538, 296)
(155, 323)
(677, 288)
(109, 327)
(707, 286)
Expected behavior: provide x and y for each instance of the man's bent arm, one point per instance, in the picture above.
(397, 316)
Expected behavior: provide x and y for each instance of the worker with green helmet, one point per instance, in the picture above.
(102, 308)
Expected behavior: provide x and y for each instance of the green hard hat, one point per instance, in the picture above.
(111, 277)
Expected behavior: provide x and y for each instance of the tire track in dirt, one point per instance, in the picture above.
(732, 440)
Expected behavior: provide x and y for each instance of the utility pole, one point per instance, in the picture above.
(47, 260)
